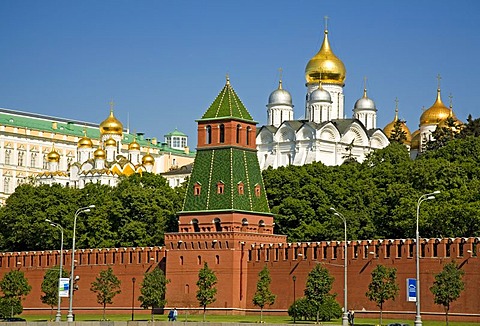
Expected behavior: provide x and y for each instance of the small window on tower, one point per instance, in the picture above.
(197, 189)
(220, 187)
(257, 190)
(240, 188)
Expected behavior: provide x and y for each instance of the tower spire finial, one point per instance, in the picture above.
(280, 71)
(438, 79)
(365, 86)
(451, 100)
(396, 108)
(326, 23)
(228, 79)
(112, 104)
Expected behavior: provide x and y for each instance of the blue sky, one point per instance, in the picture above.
(164, 62)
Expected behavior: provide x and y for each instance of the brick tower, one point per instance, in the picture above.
(225, 208)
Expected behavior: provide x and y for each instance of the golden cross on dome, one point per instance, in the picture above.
(112, 104)
(326, 22)
(84, 131)
(396, 104)
(439, 78)
(451, 99)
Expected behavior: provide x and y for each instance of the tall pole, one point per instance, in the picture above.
(345, 271)
(294, 278)
(133, 297)
(70, 306)
(418, 317)
(58, 316)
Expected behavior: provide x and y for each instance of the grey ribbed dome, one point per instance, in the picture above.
(280, 96)
(320, 95)
(365, 103)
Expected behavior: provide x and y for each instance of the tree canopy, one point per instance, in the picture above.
(383, 286)
(106, 286)
(153, 288)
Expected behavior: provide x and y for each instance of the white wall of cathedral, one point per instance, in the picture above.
(319, 112)
(368, 118)
(426, 134)
(278, 114)
(336, 94)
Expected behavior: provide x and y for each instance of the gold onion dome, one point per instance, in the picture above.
(134, 146)
(111, 125)
(110, 142)
(99, 154)
(325, 66)
(436, 113)
(53, 156)
(389, 128)
(458, 123)
(85, 142)
(148, 159)
(415, 140)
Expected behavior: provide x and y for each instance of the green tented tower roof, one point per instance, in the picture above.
(227, 105)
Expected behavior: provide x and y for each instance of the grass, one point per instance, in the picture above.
(269, 319)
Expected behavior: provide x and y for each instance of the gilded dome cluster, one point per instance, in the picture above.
(436, 113)
(325, 66)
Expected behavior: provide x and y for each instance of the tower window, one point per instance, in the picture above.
(222, 133)
(257, 190)
(197, 189)
(248, 135)
(220, 187)
(208, 137)
(238, 133)
(240, 188)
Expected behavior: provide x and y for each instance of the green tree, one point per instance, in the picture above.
(398, 135)
(383, 286)
(153, 288)
(263, 296)
(50, 287)
(106, 286)
(15, 287)
(319, 284)
(448, 286)
(206, 287)
(349, 157)
(471, 128)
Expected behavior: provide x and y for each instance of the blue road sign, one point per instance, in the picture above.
(411, 290)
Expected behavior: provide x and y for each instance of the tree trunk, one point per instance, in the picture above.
(381, 314)
(261, 315)
(204, 312)
(318, 316)
(104, 306)
(447, 308)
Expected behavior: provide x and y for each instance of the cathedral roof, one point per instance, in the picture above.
(227, 105)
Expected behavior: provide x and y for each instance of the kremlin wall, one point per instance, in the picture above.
(226, 221)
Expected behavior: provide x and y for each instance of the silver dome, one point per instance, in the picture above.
(365, 103)
(320, 95)
(280, 96)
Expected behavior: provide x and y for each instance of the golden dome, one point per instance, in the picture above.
(458, 123)
(436, 113)
(85, 142)
(148, 159)
(325, 66)
(111, 125)
(134, 146)
(389, 128)
(99, 154)
(110, 142)
(416, 140)
(53, 156)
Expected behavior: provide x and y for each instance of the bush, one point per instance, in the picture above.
(304, 310)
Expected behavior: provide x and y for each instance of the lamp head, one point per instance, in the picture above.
(332, 209)
(91, 206)
(436, 192)
(86, 210)
(47, 220)
(430, 197)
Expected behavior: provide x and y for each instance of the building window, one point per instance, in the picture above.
(184, 142)
(8, 154)
(208, 139)
(6, 185)
(181, 260)
(21, 158)
(45, 162)
(199, 260)
(220, 187)
(240, 188)
(176, 142)
(217, 259)
(222, 133)
(238, 133)
(218, 224)
(196, 228)
(33, 160)
(387, 253)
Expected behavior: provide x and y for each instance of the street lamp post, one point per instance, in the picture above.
(294, 278)
(345, 264)
(58, 316)
(418, 318)
(133, 297)
(70, 306)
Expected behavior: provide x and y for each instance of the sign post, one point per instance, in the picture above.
(411, 290)
(64, 287)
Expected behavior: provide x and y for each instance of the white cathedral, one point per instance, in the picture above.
(326, 135)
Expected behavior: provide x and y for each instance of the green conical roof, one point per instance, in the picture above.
(233, 168)
(227, 105)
